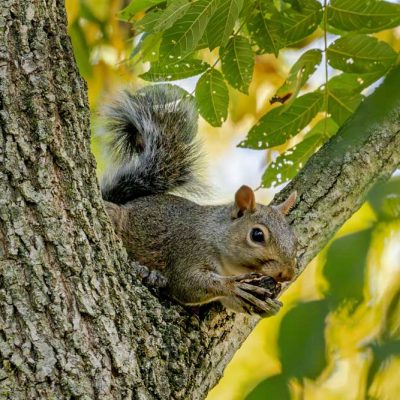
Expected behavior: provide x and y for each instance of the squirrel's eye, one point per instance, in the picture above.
(257, 235)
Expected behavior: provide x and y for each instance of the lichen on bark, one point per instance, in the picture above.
(74, 320)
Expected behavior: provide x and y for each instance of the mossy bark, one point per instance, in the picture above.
(74, 320)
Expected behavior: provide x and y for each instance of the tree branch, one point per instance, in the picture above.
(335, 181)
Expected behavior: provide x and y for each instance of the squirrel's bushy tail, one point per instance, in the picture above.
(154, 139)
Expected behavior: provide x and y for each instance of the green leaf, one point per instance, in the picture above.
(381, 353)
(281, 123)
(272, 30)
(273, 387)
(212, 97)
(300, 20)
(302, 345)
(222, 23)
(135, 6)
(175, 10)
(288, 164)
(344, 93)
(344, 269)
(160, 71)
(354, 82)
(363, 16)
(379, 193)
(361, 53)
(81, 49)
(391, 206)
(344, 96)
(87, 13)
(147, 49)
(341, 105)
(392, 322)
(149, 21)
(247, 9)
(237, 60)
(265, 28)
(202, 44)
(185, 34)
(326, 127)
(300, 72)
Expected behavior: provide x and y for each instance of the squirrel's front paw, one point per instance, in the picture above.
(257, 294)
(269, 284)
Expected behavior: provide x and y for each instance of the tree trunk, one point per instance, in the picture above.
(74, 322)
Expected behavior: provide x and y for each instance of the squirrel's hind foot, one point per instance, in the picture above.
(149, 277)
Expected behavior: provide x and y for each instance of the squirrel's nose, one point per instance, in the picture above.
(284, 276)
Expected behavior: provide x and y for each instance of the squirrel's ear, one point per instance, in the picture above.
(244, 201)
(288, 204)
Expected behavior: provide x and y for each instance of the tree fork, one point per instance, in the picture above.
(74, 321)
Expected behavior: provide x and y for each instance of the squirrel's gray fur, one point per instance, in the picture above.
(154, 139)
(199, 253)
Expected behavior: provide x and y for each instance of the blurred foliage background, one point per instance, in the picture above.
(338, 335)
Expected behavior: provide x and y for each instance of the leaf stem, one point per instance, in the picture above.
(219, 57)
(326, 97)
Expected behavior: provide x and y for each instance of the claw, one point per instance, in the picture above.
(246, 308)
(269, 307)
(248, 277)
(256, 289)
(274, 304)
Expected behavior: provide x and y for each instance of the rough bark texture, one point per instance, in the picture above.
(74, 322)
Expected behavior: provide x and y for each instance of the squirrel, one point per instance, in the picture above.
(197, 253)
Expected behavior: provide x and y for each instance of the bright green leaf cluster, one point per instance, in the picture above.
(174, 31)
(363, 59)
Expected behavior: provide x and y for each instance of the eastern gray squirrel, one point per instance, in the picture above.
(197, 253)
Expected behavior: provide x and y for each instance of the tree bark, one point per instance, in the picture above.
(74, 321)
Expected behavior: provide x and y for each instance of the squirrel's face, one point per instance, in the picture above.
(260, 239)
